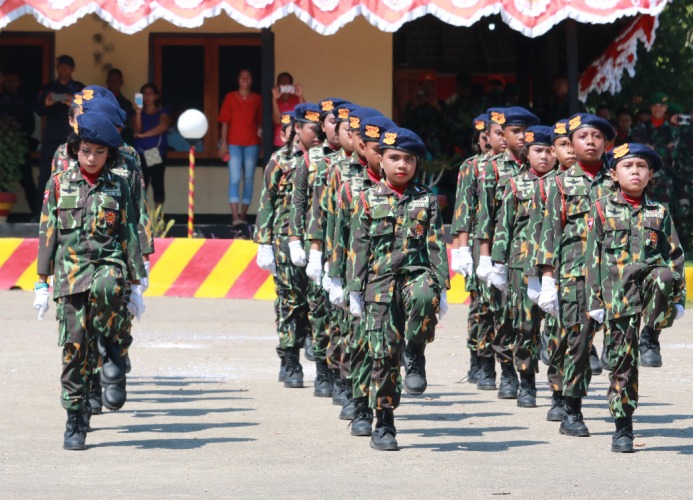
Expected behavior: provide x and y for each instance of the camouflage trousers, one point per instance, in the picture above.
(569, 366)
(553, 333)
(82, 319)
(319, 309)
(526, 318)
(623, 354)
(337, 355)
(360, 360)
(291, 305)
(503, 337)
(411, 317)
(480, 318)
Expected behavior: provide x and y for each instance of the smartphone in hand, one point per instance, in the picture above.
(139, 100)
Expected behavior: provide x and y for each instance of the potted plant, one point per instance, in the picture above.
(13, 150)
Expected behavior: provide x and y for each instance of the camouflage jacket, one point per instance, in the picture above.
(623, 243)
(302, 196)
(512, 240)
(275, 202)
(339, 172)
(350, 191)
(467, 196)
(317, 217)
(536, 221)
(661, 139)
(564, 230)
(130, 169)
(85, 226)
(493, 177)
(393, 236)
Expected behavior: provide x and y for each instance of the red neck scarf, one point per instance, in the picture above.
(362, 161)
(90, 178)
(513, 158)
(373, 176)
(535, 172)
(398, 190)
(634, 202)
(591, 169)
(657, 123)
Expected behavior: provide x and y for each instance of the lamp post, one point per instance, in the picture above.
(192, 125)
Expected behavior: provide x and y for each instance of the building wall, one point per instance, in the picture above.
(309, 57)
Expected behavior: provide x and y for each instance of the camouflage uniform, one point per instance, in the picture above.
(272, 228)
(562, 246)
(480, 317)
(635, 268)
(88, 242)
(398, 261)
(494, 177)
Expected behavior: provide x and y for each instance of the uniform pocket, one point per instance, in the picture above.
(569, 302)
(109, 211)
(62, 322)
(69, 218)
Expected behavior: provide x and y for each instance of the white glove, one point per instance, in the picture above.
(548, 297)
(466, 262)
(680, 311)
(298, 255)
(499, 277)
(533, 288)
(314, 265)
(136, 305)
(41, 296)
(597, 315)
(356, 304)
(455, 260)
(145, 281)
(443, 310)
(326, 281)
(485, 267)
(265, 259)
(336, 291)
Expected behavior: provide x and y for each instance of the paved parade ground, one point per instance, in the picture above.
(206, 417)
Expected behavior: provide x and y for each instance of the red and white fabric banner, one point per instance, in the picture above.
(605, 73)
(531, 17)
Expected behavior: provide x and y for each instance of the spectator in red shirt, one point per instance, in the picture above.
(285, 97)
(241, 130)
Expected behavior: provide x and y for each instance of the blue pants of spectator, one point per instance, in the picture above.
(242, 158)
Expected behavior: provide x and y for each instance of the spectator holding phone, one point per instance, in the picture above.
(53, 103)
(285, 97)
(239, 141)
(150, 125)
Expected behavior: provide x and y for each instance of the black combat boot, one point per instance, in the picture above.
(415, 368)
(572, 424)
(294, 370)
(75, 433)
(474, 372)
(362, 425)
(507, 389)
(487, 376)
(337, 388)
(595, 365)
(604, 360)
(383, 437)
(128, 366)
(309, 348)
(282, 364)
(544, 350)
(114, 395)
(323, 380)
(94, 402)
(349, 408)
(527, 395)
(113, 363)
(622, 440)
(557, 411)
(649, 348)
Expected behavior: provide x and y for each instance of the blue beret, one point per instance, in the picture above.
(560, 129)
(404, 140)
(98, 129)
(329, 104)
(97, 92)
(287, 119)
(358, 114)
(538, 135)
(631, 150)
(480, 122)
(516, 115)
(110, 110)
(372, 127)
(307, 112)
(583, 120)
(341, 112)
(496, 115)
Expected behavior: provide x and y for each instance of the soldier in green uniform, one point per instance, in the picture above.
(463, 257)
(497, 172)
(398, 266)
(88, 242)
(635, 268)
(562, 257)
(272, 228)
(514, 244)
(364, 176)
